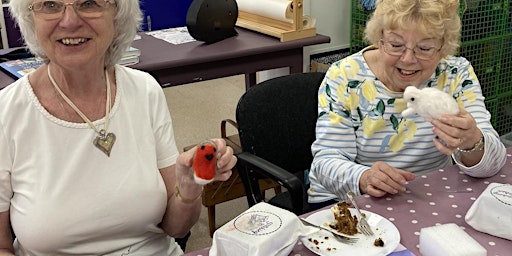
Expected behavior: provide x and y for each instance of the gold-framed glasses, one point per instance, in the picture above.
(55, 9)
(398, 49)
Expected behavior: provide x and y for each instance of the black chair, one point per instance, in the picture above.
(276, 124)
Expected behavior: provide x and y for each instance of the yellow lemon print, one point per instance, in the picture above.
(341, 90)
(411, 129)
(335, 118)
(371, 126)
(397, 142)
(322, 100)
(406, 130)
(352, 67)
(400, 105)
(472, 74)
(334, 72)
(369, 90)
(460, 102)
(441, 80)
(453, 86)
(470, 95)
(354, 100)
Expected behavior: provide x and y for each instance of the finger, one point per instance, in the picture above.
(376, 177)
(464, 120)
(445, 128)
(451, 137)
(226, 159)
(220, 144)
(223, 176)
(385, 183)
(396, 175)
(443, 148)
(372, 191)
(409, 176)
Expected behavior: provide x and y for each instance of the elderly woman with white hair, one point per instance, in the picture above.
(88, 161)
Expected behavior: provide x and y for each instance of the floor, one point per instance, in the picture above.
(197, 110)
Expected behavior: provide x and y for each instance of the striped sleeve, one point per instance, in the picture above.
(494, 152)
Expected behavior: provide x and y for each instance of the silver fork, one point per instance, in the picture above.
(363, 224)
(339, 237)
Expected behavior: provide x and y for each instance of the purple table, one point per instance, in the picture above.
(246, 53)
(439, 197)
(301, 250)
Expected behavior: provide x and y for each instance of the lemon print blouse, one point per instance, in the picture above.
(360, 122)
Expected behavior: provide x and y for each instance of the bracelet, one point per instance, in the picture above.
(186, 200)
(477, 147)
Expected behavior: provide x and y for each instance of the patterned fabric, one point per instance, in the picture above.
(368, 5)
(360, 122)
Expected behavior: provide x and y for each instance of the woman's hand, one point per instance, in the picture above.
(225, 162)
(456, 131)
(184, 207)
(382, 178)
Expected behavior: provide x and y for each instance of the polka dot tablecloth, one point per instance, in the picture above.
(439, 197)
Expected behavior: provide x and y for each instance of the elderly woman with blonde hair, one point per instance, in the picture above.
(364, 143)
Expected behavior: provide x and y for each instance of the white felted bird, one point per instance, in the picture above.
(429, 103)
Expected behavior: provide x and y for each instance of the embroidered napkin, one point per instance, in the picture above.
(262, 230)
(491, 213)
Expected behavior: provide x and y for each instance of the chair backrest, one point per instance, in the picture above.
(277, 118)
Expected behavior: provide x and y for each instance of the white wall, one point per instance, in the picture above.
(333, 20)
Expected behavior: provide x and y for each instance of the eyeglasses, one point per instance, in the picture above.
(55, 9)
(398, 49)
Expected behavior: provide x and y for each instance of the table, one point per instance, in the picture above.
(246, 53)
(439, 197)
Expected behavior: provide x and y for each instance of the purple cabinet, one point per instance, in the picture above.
(13, 33)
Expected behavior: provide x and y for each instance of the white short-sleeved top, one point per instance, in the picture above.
(65, 196)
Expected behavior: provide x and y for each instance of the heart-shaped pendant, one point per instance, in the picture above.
(105, 142)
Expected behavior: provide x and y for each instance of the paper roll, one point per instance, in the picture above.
(275, 9)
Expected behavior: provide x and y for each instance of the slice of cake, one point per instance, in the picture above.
(343, 222)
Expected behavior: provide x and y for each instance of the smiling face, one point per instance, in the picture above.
(398, 72)
(75, 42)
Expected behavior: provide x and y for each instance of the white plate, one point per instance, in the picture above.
(323, 243)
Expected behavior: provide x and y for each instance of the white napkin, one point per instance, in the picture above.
(491, 213)
(263, 230)
(448, 240)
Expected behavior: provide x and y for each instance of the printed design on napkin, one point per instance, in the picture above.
(503, 193)
(258, 223)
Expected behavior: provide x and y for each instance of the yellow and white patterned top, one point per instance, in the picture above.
(360, 122)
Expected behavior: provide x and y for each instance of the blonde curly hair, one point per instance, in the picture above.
(436, 18)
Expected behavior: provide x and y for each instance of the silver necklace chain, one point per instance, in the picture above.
(105, 140)
(77, 110)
